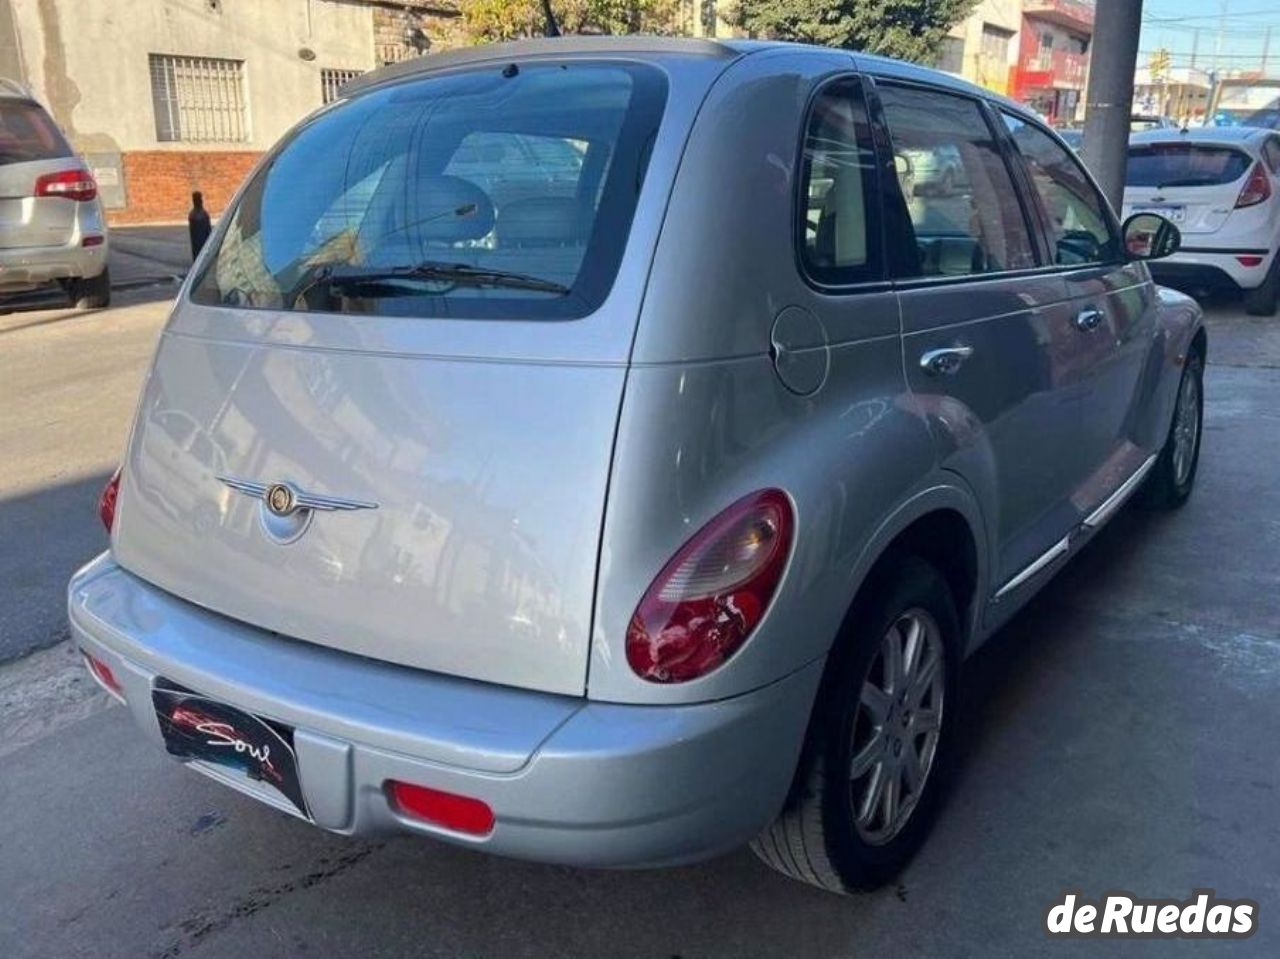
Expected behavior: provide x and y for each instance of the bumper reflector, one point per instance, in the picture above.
(1249, 259)
(459, 813)
(103, 674)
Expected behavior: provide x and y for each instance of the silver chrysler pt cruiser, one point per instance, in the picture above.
(606, 451)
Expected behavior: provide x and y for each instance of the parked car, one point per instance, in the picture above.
(629, 522)
(937, 170)
(1072, 137)
(1221, 186)
(52, 228)
(1141, 122)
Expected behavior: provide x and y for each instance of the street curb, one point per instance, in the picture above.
(146, 282)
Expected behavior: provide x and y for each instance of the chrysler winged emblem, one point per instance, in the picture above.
(286, 510)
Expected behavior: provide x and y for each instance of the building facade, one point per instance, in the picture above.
(164, 97)
(1053, 58)
(1181, 93)
(984, 47)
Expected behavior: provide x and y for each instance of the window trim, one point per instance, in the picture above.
(877, 232)
(884, 145)
(1037, 205)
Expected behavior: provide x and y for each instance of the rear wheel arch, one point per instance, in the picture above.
(943, 527)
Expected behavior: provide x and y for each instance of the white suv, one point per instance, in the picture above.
(1221, 186)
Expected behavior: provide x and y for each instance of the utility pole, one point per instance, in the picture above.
(1113, 54)
(1266, 48)
(1195, 45)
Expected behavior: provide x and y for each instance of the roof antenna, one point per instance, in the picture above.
(549, 27)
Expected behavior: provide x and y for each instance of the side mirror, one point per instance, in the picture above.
(1149, 236)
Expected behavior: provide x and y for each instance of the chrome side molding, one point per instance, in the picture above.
(1060, 548)
(1122, 492)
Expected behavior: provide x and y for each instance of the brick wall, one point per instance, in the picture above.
(159, 183)
(410, 28)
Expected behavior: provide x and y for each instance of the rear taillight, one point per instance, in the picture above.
(713, 593)
(93, 239)
(70, 184)
(458, 813)
(103, 674)
(107, 501)
(1256, 189)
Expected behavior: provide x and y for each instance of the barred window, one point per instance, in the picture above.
(331, 81)
(198, 99)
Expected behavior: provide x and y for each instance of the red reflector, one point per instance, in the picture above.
(102, 672)
(70, 184)
(107, 501)
(92, 240)
(1249, 259)
(459, 813)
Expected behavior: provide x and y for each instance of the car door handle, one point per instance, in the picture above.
(945, 361)
(1089, 319)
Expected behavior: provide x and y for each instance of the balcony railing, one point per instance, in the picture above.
(1074, 14)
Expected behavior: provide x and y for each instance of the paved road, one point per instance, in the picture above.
(1120, 735)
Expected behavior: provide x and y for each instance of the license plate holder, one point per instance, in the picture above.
(1174, 214)
(198, 728)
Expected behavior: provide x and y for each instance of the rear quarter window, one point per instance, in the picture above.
(1185, 164)
(481, 194)
(27, 133)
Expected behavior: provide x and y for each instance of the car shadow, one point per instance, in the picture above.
(47, 534)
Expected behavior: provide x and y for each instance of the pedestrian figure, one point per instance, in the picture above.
(198, 224)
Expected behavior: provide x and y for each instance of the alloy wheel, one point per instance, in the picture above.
(1186, 428)
(897, 726)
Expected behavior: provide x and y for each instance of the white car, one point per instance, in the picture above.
(1221, 186)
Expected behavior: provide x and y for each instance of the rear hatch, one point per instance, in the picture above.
(1194, 184)
(383, 420)
(31, 147)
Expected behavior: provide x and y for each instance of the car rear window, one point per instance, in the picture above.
(502, 192)
(1184, 164)
(27, 133)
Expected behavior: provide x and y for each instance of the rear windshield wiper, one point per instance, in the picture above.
(381, 281)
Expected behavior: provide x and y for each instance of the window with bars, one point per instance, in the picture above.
(198, 99)
(332, 80)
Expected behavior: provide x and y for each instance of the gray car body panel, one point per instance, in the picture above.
(713, 369)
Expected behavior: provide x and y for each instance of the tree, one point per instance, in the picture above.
(489, 20)
(907, 29)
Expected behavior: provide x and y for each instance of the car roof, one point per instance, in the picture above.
(727, 49)
(1232, 136)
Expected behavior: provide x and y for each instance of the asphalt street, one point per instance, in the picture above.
(1120, 735)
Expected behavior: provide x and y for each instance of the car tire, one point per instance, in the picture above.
(1174, 474)
(1261, 301)
(819, 837)
(93, 293)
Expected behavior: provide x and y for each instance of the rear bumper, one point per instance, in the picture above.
(1206, 268)
(569, 780)
(29, 267)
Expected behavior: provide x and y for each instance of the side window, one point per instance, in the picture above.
(838, 230)
(1271, 153)
(960, 197)
(1079, 229)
